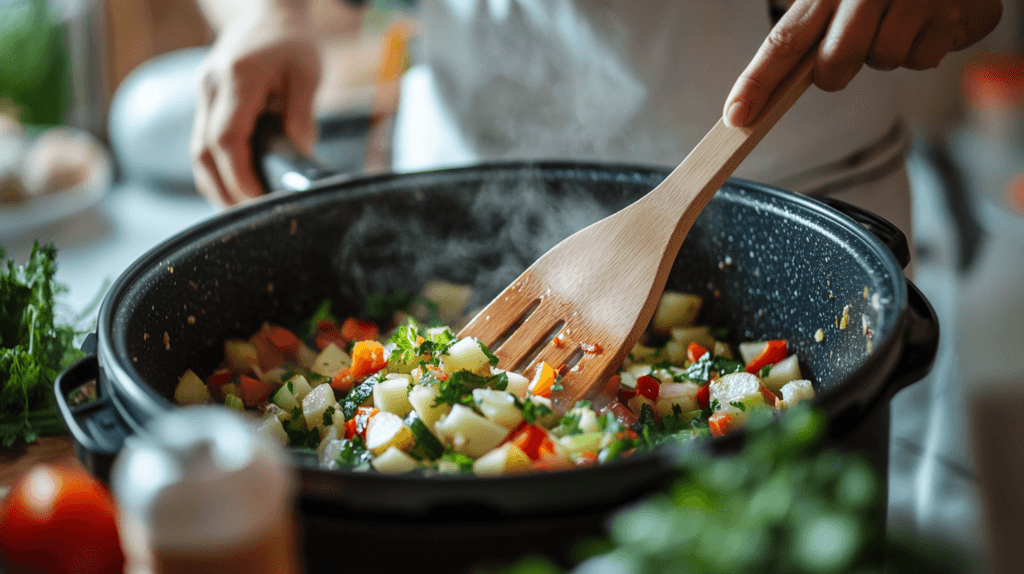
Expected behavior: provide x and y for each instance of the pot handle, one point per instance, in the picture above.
(97, 430)
(877, 225)
(279, 164)
(921, 342)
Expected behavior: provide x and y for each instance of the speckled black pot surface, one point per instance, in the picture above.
(771, 264)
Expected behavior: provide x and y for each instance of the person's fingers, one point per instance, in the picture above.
(795, 34)
(232, 120)
(203, 169)
(299, 121)
(943, 32)
(845, 47)
(899, 29)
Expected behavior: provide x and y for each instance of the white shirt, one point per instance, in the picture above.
(637, 81)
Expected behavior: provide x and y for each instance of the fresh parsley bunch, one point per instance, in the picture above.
(33, 347)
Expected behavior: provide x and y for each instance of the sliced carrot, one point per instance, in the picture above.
(351, 428)
(721, 423)
(773, 352)
(543, 381)
(358, 330)
(694, 352)
(254, 391)
(648, 386)
(367, 358)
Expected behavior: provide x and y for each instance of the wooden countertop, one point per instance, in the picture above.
(15, 461)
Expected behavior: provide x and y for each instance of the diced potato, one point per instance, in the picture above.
(316, 404)
(234, 402)
(273, 376)
(331, 433)
(231, 389)
(675, 352)
(285, 398)
(627, 380)
(465, 355)
(305, 356)
(300, 387)
(700, 335)
(737, 387)
(331, 360)
(240, 356)
(675, 310)
(795, 391)
(270, 426)
(722, 350)
(636, 404)
(517, 384)
(191, 390)
(683, 395)
(663, 375)
(505, 459)
(644, 354)
(638, 371)
(751, 349)
(469, 433)
(784, 371)
(386, 430)
(394, 461)
(586, 442)
(548, 420)
(498, 406)
(392, 395)
(422, 397)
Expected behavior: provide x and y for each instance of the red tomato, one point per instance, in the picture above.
(57, 520)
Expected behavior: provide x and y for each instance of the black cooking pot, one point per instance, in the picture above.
(770, 264)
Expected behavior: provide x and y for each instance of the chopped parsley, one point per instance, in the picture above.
(464, 462)
(353, 454)
(458, 387)
(532, 411)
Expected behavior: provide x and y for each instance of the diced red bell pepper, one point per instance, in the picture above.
(218, 380)
(622, 413)
(367, 358)
(270, 356)
(543, 381)
(694, 352)
(327, 332)
(529, 439)
(773, 352)
(769, 397)
(254, 391)
(625, 394)
(703, 396)
(284, 340)
(648, 386)
(359, 330)
(721, 423)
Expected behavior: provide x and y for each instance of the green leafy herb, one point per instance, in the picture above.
(464, 462)
(719, 333)
(532, 411)
(764, 371)
(458, 387)
(409, 349)
(329, 416)
(742, 407)
(353, 454)
(715, 405)
(33, 347)
(490, 356)
(298, 435)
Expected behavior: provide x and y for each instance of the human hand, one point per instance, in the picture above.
(884, 34)
(268, 59)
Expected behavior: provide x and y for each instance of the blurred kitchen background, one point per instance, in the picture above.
(62, 62)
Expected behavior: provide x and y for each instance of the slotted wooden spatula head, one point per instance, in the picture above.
(597, 290)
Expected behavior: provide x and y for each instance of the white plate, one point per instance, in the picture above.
(20, 218)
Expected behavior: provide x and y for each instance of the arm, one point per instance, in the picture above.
(266, 57)
(884, 34)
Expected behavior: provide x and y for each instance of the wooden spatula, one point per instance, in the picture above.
(598, 289)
